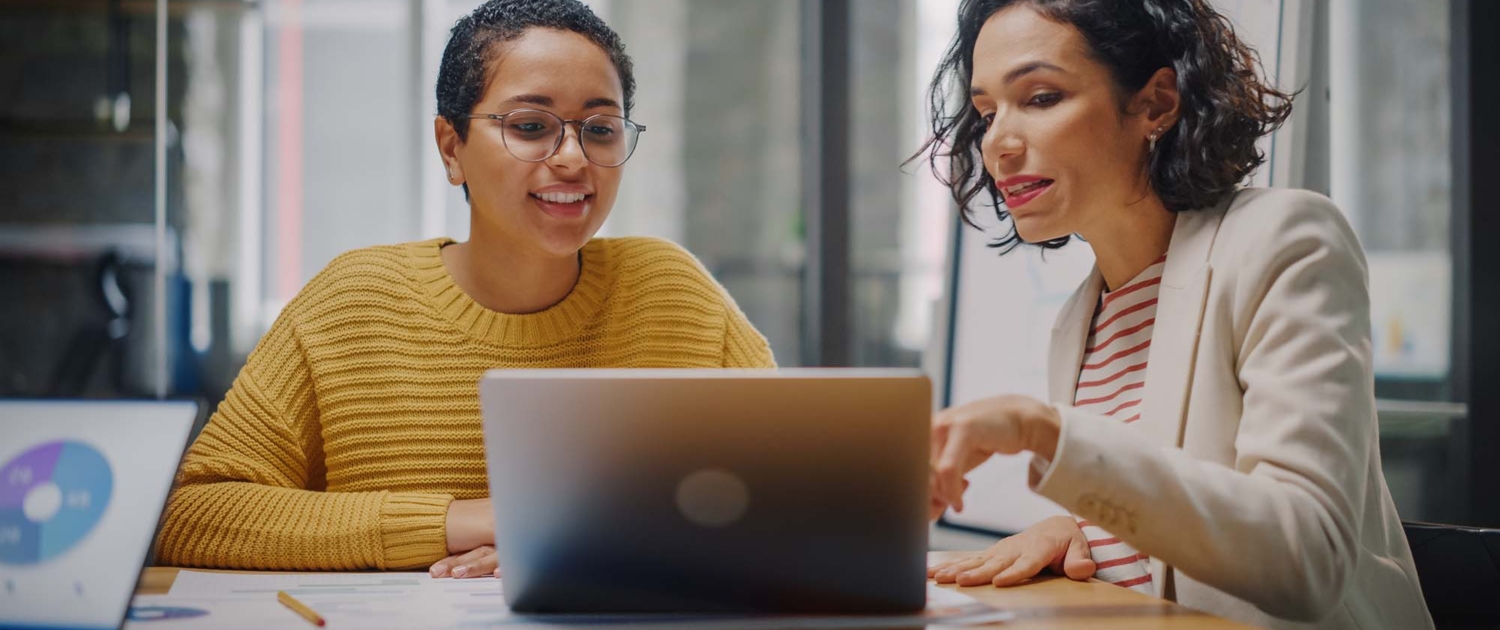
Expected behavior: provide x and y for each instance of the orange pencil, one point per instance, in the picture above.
(300, 608)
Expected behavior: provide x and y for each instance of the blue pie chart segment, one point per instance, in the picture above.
(20, 539)
(51, 497)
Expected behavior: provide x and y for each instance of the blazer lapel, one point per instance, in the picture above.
(1069, 335)
(1174, 343)
(1179, 317)
(1184, 287)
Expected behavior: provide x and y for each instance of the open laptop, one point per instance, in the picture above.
(736, 491)
(82, 486)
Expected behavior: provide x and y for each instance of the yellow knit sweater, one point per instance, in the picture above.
(356, 420)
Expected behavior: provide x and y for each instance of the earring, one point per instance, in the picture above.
(1152, 138)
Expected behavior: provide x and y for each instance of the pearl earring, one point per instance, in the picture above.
(1154, 135)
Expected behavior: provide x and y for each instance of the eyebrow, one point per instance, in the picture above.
(534, 99)
(1020, 72)
(546, 101)
(600, 102)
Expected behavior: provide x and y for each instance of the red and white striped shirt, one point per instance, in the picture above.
(1111, 383)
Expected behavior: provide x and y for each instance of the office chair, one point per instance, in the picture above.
(101, 339)
(1460, 572)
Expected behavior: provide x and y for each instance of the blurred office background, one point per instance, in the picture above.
(298, 129)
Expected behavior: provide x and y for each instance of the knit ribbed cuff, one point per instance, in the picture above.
(413, 530)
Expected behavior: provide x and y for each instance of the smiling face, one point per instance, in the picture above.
(1058, 145)
(555, 206)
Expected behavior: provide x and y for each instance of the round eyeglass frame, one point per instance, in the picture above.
(578, 125)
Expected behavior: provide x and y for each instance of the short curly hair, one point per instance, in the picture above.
(474, 40)
(1225, 105)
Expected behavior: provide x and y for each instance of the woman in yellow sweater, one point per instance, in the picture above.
(351, 439)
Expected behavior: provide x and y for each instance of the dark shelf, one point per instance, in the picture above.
(141, 131)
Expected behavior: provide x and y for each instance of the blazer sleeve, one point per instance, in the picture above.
(1280, 528)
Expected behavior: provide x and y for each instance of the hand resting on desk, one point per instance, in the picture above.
(1056, 543)
(471, 539)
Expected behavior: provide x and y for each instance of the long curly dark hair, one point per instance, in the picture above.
(1225, 105)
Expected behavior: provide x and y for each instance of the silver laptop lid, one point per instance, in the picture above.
(709, 490)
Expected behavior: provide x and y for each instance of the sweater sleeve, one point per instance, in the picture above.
(249, 492)
(744, 346)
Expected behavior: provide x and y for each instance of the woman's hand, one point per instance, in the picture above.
(936, 506)
(1056, 543)
(470, 525)
(471, 539)
(964, 437)
(481, 562)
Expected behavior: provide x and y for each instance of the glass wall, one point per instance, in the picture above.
(78, 203)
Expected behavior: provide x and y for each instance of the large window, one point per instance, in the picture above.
(719, 78)
(1390, 168)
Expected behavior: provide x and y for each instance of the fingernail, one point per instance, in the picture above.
(460, 571)
(438, 569)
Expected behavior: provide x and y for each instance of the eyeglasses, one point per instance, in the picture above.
(533, 135)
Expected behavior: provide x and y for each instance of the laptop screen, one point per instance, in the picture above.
(82, 485)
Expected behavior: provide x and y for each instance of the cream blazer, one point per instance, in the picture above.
(1253, 477)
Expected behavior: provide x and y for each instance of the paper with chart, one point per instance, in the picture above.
(364, 600)
(416, 600)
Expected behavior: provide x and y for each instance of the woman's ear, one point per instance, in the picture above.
(1159, 102)
(448, 144)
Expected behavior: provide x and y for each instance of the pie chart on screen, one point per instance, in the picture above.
(51, 497)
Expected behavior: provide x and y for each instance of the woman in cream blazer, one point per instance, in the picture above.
(1253, 478)
(1251, 483)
